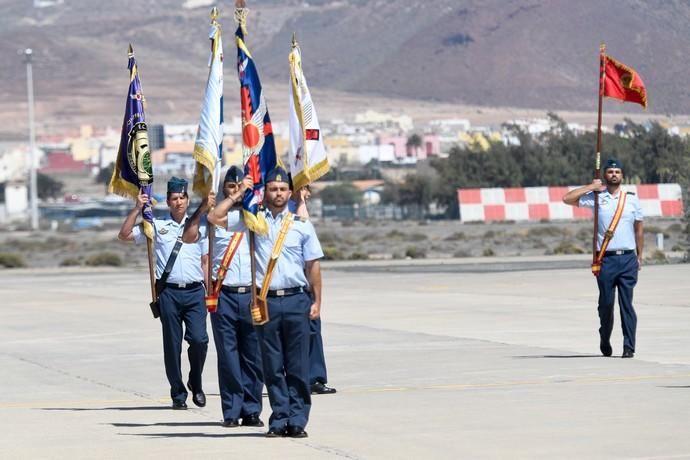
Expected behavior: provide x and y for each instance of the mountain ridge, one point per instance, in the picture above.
(531, 54)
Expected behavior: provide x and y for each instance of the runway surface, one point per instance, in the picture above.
(428, 363)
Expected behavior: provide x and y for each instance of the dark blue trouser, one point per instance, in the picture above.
(183, 306)
(618, 272)
(239, 359)
(317, 360)
(285, 354)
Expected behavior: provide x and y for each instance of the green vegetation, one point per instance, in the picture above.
(47, 187)
(561, 157)
(415, 252)
(341, 194)
(332, 253)
(9, 260)
(395, 235)
(566, 247)
(657, 257)
(70, 262)
(108, 259)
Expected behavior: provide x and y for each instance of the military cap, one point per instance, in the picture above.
(177, 185)
(277, 174)
(613, 163)
(234, 174)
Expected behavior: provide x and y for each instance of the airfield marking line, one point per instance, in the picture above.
(469, 386)
(458, 386)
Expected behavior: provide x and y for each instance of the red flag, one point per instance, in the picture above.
(622, 82)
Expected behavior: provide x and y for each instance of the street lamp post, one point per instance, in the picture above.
(33, 197)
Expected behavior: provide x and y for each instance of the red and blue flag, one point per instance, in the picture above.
(258, 146)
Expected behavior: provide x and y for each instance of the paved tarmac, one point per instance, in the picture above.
(428, 364)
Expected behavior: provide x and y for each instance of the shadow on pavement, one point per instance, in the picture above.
(108, 408)
(196, 435)
(137, 425)
(556, 356)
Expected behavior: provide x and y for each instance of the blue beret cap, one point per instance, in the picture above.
(234, 174)
(613, 163)
(277, 174)
(177, 185)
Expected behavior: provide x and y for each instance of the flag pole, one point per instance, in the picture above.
(152, 275)
(597, 163)
(298, 107)
(149, 241)
(252, 259)
(211, 227)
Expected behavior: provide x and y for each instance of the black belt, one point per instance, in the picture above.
(287, 291)
(236, 289)
(619, 252)
(184, 286)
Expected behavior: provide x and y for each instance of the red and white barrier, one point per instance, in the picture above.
(545, 203)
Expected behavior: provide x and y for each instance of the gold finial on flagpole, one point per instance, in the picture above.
(130, 51)
(214, 15)
(294, 40)
(241, 12)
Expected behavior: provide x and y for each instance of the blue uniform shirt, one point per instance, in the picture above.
(239, 272)
(301, 245)
(187, 267)
(624, 236)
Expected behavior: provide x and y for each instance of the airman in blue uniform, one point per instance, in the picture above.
(294, 297)
(240, 377)
(622, 257)
(182, 298)
(318, 375)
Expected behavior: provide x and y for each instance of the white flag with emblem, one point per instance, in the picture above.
(208, 148)
(308, 160)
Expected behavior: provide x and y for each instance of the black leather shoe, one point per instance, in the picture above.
(198, 398)
(605, 348)
(627, 353)
(231, 423)
(179, 405)
(252, 420)
(319, 388)
(296, 432)
(276, 433)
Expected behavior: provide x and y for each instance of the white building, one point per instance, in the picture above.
(14, 201)
(13, 161)
(366, 153)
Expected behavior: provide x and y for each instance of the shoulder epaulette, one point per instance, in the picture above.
(302, 219)
(630, 193)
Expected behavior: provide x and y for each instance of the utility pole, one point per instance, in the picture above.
(33, 186)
